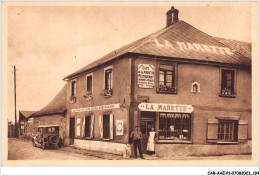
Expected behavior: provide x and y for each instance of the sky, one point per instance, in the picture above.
(47, 43)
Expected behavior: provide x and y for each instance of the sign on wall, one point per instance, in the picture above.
(145, 76)
(95, 108)
(119, 128)
(159, 107)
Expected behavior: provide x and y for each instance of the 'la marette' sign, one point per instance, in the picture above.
(160, 107)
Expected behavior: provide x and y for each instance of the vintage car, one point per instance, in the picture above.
(47, 136)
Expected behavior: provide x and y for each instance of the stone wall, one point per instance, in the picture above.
(34, 122)
(163, 150)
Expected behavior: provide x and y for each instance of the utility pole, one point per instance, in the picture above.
(15, 123)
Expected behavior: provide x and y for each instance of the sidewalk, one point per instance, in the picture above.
(104, 155)
(109, 156)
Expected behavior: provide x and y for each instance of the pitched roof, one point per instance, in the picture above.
(26, 114)
(244, 48)
(56, 106)
(180, 40)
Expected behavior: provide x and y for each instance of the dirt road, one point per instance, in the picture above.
(24, 150)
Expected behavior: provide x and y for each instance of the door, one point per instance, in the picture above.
(146, 126)
(72, 130)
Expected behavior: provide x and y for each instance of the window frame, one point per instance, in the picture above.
(168, 63)
(108, 125)
(220, 82)
(74, 92)
(87, 116)
(234, 130)
(89, 94)
(189, 140)
(108, 92)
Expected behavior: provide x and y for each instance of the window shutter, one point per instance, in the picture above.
(83, 128)
(242, 129)
(92, 127)
(111, 120)
(111, 78)
(101, 126)
(212, 130)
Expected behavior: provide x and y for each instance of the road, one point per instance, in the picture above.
(24, 150)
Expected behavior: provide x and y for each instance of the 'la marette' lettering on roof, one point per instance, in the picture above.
(195, 47)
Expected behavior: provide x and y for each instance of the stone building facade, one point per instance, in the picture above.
(193, 88)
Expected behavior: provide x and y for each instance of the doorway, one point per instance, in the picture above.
(72, 130)
(146, 124)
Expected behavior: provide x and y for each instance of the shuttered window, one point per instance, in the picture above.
(225, 130)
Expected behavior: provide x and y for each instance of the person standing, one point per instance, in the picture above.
(151, 142)
(137, 136)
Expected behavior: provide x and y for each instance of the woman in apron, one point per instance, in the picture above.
(151, 142)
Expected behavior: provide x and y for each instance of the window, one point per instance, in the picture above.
(174, 126)
(87, 126)
(40, 130)
(53, 129)
(227, 82)
(227, 130)
(89, 90)
(108, 85)
(108, 79)
(166, 78)
(89, 83)
(106, 126)
(73, 88)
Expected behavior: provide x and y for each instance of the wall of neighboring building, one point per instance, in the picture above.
(207, 103)
(121, 95)
(34, 122)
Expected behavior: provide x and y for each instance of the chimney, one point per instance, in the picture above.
(172, 16)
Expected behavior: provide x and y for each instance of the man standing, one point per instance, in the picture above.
(137, 136)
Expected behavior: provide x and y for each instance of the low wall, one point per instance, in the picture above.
(163, 150)
(103, 146)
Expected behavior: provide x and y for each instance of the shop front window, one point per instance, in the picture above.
(174, 126)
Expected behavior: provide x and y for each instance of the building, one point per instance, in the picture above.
(53, 113)
(23, 116)
(193, 88)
